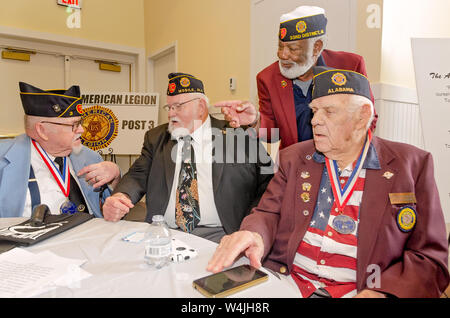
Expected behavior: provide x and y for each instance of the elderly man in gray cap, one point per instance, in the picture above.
(347, 214)
(48, 164)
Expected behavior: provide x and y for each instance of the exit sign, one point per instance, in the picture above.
(70, 3)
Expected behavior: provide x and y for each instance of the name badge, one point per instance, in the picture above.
(402, 198)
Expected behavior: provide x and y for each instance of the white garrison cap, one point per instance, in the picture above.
(300, 12)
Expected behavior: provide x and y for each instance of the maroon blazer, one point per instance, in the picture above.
(276, 96)
(412, 264)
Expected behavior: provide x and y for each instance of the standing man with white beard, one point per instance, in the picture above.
(284, 87)
(48, 164)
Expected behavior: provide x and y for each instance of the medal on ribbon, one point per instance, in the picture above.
(62, 179)
(344, 224)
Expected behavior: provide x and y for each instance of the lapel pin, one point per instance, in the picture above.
(388, 175)
(306, 186)
(283, 83)
(305, 175)
(305, 196)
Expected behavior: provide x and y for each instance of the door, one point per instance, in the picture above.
(162, 64)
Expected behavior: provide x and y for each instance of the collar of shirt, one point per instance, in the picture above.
(371, 161)
(201, 133)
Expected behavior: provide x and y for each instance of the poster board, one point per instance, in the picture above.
(115, 123)
(432, 69)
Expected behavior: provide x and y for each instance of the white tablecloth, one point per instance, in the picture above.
(118, 268)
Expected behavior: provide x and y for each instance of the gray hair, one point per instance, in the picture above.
(323, 38)
(202, 96)
(356, 101)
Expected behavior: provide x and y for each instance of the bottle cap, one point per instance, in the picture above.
(158, 218)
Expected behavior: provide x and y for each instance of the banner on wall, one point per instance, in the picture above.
(115, 123)
(432, 68)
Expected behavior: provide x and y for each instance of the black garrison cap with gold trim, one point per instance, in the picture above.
(330, 81)
(51, 103)
(182, 83)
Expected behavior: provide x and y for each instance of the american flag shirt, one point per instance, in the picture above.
(326, 258)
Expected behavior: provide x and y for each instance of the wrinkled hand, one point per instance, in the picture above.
(101, 173)
(238, 112)
(367, 293)
(116, 206)
(251, 243)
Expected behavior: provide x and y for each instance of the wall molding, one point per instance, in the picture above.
(394, 93)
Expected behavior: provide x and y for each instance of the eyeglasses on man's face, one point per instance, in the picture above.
(74, 125)
(177, 106)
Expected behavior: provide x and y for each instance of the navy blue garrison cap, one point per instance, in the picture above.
(330, 81)
(182, 83)
(50, 103)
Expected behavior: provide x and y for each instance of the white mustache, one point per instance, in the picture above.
(289, 62)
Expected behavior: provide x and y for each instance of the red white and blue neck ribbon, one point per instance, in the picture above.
(63, 180)
(342, 196)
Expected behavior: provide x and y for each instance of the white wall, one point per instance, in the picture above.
(402, 20)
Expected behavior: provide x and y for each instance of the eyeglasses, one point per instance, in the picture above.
(177, 106)
(74, 126)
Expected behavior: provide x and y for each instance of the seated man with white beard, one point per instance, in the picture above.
(285, 86)
(202, 176)
(48, 164)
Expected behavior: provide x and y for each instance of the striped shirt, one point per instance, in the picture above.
(326, 258)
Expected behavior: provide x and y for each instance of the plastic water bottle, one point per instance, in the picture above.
(158, 243)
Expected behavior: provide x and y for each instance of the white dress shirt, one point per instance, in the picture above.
(49, 190)
(202, 143)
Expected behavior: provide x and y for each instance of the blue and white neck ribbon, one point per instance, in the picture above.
(63, 180)
(342, 196)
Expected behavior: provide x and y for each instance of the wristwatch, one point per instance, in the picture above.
(256, 120)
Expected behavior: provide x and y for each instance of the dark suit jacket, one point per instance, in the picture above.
(276, 97)
(412, 264)
(237, 186)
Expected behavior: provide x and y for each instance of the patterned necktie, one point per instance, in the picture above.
(75, 194)
(187, 209)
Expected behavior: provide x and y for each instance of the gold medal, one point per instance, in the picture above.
(305, 196)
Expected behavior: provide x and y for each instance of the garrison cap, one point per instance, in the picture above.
(50, 103)
(330, 81)
(182, 83)
(302, 23)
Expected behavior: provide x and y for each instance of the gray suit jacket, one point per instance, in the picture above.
(237, 185)
(15, 157)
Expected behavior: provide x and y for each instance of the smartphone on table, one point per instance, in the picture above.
(229, 281)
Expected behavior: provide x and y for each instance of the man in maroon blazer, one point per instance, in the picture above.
(347, 214)
(285, 87)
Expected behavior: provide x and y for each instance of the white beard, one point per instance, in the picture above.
(296, 69)
(177, 132)
(77, 149)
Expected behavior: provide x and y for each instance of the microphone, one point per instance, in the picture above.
(38, 215)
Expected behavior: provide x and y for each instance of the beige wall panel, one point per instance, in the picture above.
(113, 21)
(213, 39)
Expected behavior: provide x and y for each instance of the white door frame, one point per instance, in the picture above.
(66, 45)
(173, 47)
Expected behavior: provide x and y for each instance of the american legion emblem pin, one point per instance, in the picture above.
(406, 218)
